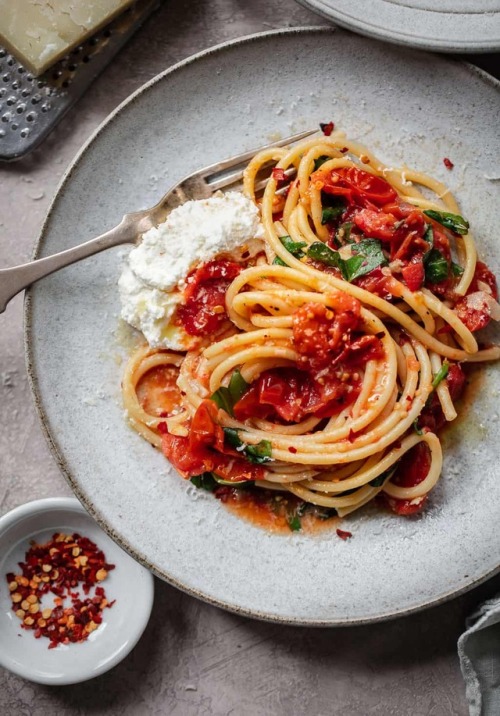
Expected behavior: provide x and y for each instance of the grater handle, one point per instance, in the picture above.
(14, 280)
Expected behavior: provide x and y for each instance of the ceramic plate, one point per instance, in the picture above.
(223, 101)
(444, 25)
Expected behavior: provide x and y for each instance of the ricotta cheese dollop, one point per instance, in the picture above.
(153, 278)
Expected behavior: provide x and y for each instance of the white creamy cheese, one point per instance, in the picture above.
(150, 310)
(152, 280)
(194, 233)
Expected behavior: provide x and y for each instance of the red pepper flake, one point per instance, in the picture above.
(343, 534)
(344, 150)
(352, 435)
(59, 566)
(162, 428)
(279, 175)
(327, 129)
(292, 450)
(448, 163)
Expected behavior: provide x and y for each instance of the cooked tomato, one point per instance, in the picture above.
(289, 394)
(204, 450)
(476, 314)
(376, 224)
(204, 309)
(356, 185)
(432, 415)
(375, 282)
(157, 390)
(414, 275)
(413, 468)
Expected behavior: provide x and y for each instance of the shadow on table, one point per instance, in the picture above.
(186, 639)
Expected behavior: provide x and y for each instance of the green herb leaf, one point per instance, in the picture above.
(326, 513)
(232, 437)
(237, 386)
(319, 161)
(225, 398)
(343, 233)
(417, 427)
(294, 247)
(321, 252)
(436, 266)
(205, 481)
(330, 213)
(429, 235)
(233, 483)
(378, 481)
(454, 222)
(456, 269)
(294, 522)
(367, 256)
(260, 453)
(441, 374)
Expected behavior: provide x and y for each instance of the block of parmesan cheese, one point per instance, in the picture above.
(40, 32)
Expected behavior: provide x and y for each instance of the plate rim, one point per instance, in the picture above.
(51, 440)
(359, 25)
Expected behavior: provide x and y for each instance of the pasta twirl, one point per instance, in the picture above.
(339, 345)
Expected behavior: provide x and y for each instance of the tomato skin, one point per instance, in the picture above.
(204, 311)
(204, 450)
(320, 334)
(290, 395)
(476, 318)
(356, 185)
(375, 282)
(412, 470)
(414, 275)
(376, 224)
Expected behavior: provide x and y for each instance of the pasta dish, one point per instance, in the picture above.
(310, 369)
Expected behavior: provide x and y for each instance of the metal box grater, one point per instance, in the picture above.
(30, 107)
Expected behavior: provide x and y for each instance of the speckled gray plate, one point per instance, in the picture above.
(444, 25)
(223, 101)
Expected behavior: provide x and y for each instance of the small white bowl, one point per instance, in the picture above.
(122, 625)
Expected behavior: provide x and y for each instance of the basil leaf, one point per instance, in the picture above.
(260, 453)
(330, 213)
(429, 235)
(294, 522)
(436, 266)
(294, 247)
(441, 374)
(417, 428)
(368, 255)
(222, 399)
(343, 233)
(380, 479)
(232, 437)
(225, 398)
(321, 252)
(371, 252)
(237, 386)
(205, 481)
(456, 269)
(320, 160)
(454, 222)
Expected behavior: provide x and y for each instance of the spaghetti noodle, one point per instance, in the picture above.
(334, 354)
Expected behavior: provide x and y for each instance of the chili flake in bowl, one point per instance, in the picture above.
(72, 603)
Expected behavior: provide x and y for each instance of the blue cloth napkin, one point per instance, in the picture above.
(479, 652)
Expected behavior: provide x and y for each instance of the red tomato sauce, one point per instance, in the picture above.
(157, 391)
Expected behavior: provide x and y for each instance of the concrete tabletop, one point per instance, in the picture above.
(193, 658)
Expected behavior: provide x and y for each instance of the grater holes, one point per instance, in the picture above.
(6, 78)
(31, 116)
(24, 132)
(11, 61)
(10, 101)
(6, 117)
(45, 107)
(36, 98)
(3, 53)
(14, 126)
(20, 108)
(26, 92)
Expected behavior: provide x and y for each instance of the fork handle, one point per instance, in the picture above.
(14, 280)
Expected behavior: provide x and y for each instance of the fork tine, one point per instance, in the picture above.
(246, 156)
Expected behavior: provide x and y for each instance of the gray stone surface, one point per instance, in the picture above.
(193, 658)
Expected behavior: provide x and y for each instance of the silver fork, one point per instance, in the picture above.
(199, 185)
